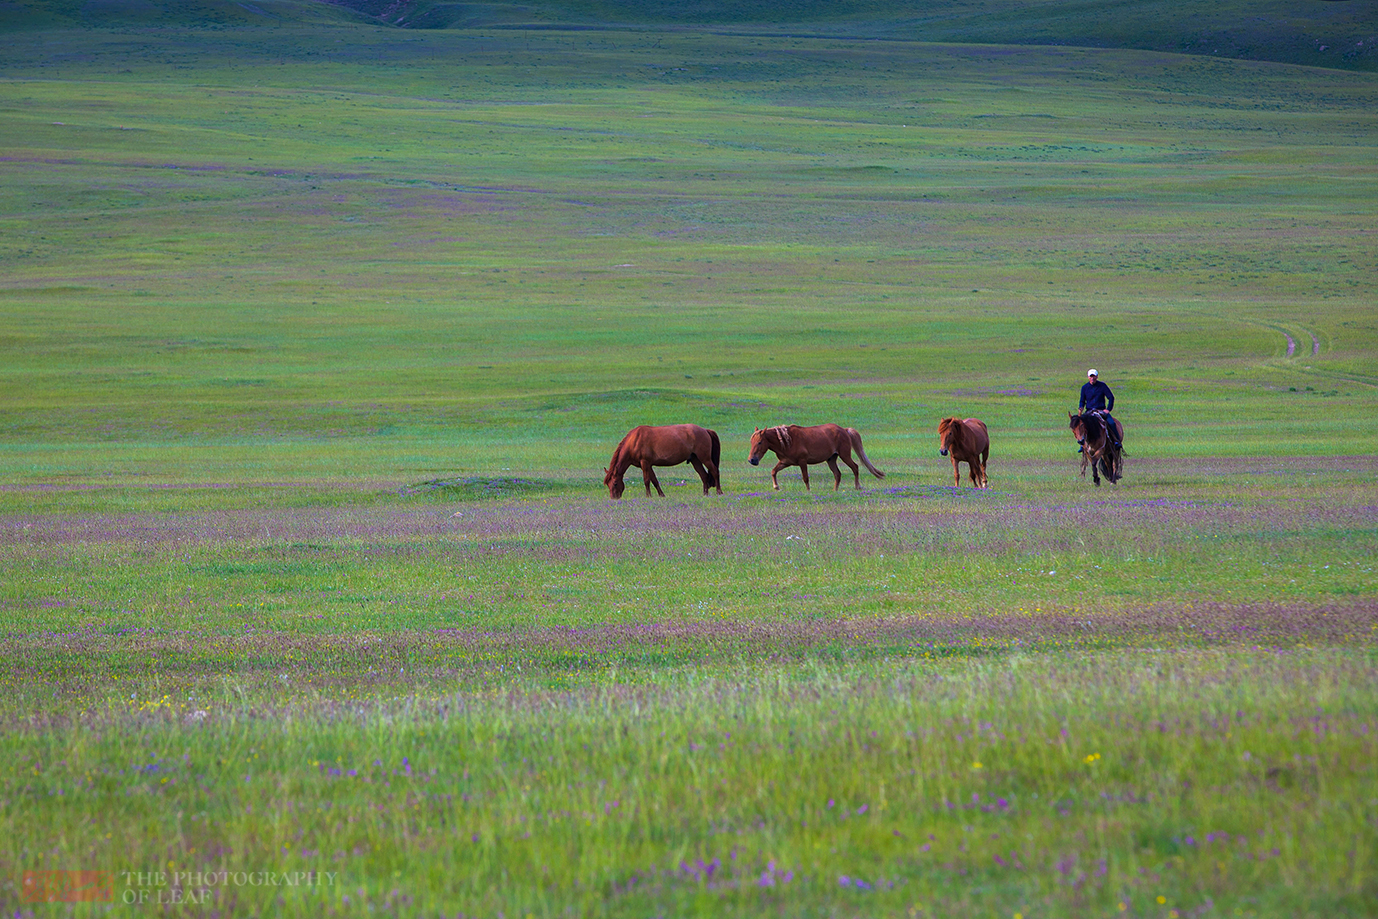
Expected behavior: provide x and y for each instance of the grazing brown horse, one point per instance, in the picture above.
(822, 443)
(1098, 450)
(664, 445)
(966, 441)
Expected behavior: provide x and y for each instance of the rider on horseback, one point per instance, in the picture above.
(1097, 397)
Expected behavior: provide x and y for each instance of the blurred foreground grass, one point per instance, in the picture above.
(1149, 783)
(904, 700)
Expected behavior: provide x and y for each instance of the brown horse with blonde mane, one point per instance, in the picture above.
(966, 441)
(1098, 450)
(664, 445)
(799, 446)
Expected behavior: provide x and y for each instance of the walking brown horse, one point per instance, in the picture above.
(799, 446)
(966, 441)
(1099, 451)
(664, 445)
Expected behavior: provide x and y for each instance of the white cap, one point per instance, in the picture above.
(1092, 372)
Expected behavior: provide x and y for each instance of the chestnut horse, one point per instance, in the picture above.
(664, 445)
(966, 441)
(822, 443)
(1097, 449)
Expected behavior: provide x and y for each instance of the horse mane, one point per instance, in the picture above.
(1093, 425)
(782, 432)
(611, 471)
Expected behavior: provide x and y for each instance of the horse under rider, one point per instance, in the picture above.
(1097, 397)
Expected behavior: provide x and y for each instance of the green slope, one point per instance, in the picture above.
(63, 14)
(1326, 33)
(1329, 34)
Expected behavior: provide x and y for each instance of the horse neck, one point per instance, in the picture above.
(1093, 428)
(621, 460)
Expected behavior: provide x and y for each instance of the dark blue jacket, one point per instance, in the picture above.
(1096, 396)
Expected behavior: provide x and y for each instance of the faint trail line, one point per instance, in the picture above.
(1291, 342)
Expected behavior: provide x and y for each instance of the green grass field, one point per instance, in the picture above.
(317, 337)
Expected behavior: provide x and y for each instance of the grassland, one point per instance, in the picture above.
(316, 341)
(1326, 34)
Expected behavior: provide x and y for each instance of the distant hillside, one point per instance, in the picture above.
(1327, 33)
(66, 14)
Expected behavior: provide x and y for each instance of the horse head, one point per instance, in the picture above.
(1086, 427)
(946, 429)
(758, 447)
(616, 485)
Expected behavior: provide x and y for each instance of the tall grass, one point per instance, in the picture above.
(548, 703)
(1174, 781)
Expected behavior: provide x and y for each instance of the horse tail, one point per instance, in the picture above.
(717, 458)
(855, 438)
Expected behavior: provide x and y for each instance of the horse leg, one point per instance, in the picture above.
(956, 474)
(837, 473)
(703, 473)
(856, 470)
(974, 470)
(648, 476)
(1095, 470)
(804, 471)
(775, 483)
(712, 476)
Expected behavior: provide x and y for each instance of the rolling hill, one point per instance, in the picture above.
(1325, 33)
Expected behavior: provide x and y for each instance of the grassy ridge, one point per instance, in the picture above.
(1317, 34)
(42, 15)
(1333, 34)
